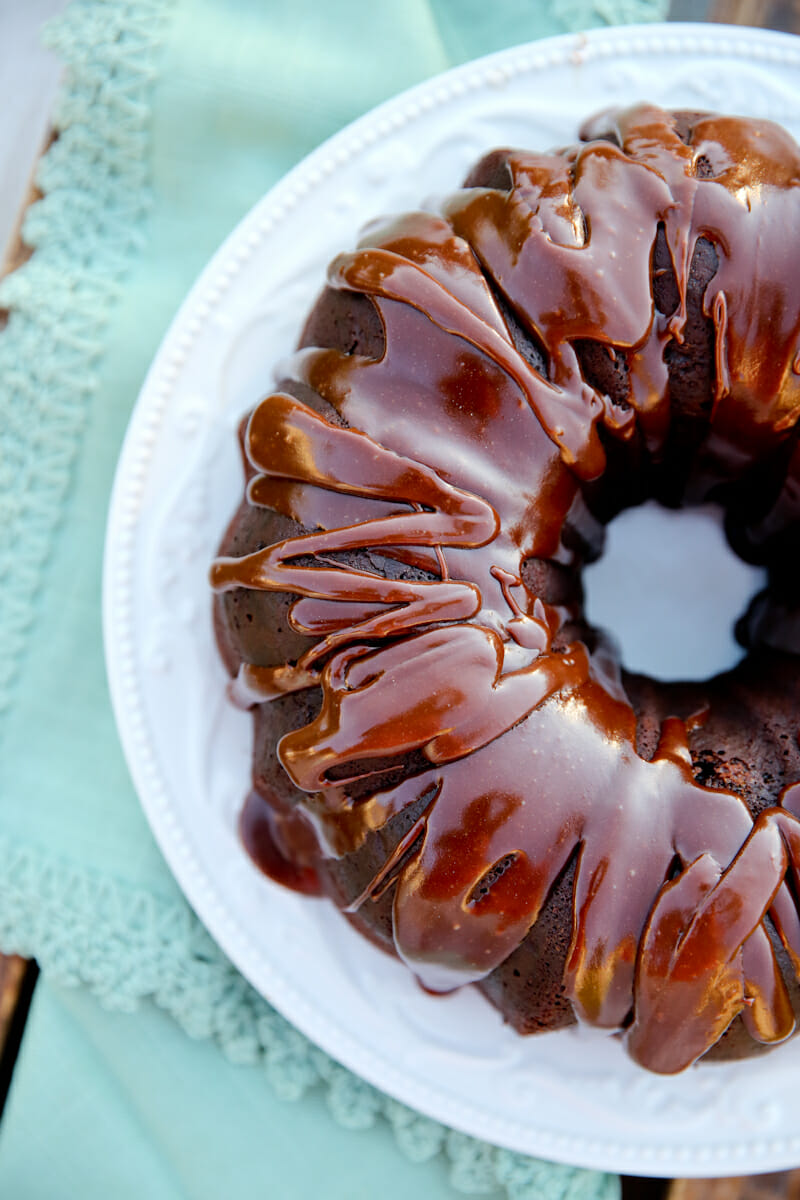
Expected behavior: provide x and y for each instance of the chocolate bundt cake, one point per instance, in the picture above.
(443, 745)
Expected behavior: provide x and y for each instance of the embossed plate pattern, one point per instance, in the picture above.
(571, 1096)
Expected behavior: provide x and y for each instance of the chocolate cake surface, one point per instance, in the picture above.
(443, 745)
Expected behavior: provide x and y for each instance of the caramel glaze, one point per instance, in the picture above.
(460, 455)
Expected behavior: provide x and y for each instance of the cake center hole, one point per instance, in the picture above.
(670, 589)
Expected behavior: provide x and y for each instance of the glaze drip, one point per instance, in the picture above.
(452, 455)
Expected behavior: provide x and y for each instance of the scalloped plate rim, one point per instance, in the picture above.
(119, 608)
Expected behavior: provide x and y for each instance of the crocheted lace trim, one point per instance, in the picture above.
(127, 946)
(85, 233)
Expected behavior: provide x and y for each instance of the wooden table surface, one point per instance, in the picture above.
(18, 975)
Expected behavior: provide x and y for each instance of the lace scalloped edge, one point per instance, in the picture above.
(125, 945)
(85, 232)
(129, 947)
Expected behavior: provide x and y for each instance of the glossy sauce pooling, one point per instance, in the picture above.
(453, 454)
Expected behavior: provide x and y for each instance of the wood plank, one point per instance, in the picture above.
(783, 15)
(12, 973)
(17, 251)
(778, 1185)
(17, 981)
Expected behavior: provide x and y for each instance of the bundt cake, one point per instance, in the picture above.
(443, 745)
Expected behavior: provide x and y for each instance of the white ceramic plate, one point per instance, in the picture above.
(571, 1096)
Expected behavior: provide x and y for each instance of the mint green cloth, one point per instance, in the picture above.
(120, 1107)
(175, 118)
